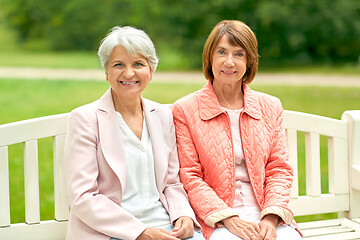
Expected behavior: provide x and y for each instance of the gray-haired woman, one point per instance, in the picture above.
(121, 158)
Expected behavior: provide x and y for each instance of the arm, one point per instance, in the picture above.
(180, 211)
(87, 202)
(278, 173)
(205, 202)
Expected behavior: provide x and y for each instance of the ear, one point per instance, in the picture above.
(107, 76)
(151, 74)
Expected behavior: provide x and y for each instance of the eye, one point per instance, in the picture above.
(139, 64)
(221, 52)
(118, 65)
(241, 54)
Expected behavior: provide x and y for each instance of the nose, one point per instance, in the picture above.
(129, 73)
(229, 61)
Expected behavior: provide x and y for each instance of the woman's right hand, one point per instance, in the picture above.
(155, 234)
(243, 229)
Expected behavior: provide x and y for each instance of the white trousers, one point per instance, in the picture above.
(252, 214)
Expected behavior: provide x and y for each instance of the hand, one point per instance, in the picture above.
(184, 228)
(243, 229)
(268, 227)
(156, 234)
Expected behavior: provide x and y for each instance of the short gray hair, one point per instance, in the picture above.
(134, 40)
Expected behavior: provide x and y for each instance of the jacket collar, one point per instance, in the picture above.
(105, 103)
(210, 106)
(110, 137)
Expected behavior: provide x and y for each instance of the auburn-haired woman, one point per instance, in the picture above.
(232, 147)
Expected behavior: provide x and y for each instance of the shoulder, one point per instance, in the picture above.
(186, 102)
(155, 106)
(267, 101)
(162, 111)
(84, 113)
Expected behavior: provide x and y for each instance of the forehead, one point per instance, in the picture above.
(120, 52)
(225, 42)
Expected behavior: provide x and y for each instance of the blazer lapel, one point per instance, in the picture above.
(153, 122)
(110, 137)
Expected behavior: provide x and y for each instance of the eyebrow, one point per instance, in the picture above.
(223, 48)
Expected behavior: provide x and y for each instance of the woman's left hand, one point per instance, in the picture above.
(184, 228)
(268, 227)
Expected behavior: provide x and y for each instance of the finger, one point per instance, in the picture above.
(252, 235)
(177, 226)
(168, 235)
(180, 233)
(185, 231)
(257, 228)
(269, 235)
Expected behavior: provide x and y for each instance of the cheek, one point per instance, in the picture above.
(146, 74)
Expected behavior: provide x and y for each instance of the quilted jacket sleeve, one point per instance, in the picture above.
(202, 197)
(278, 172)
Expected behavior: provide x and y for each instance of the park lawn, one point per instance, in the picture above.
(24, 99)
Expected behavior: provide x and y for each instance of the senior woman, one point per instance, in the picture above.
(232, 147)
(121, 158)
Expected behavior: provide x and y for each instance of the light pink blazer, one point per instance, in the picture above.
(95, 167)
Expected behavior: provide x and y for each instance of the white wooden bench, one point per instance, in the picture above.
(342, 195)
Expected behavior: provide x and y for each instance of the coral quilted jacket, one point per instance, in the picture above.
(207, 165)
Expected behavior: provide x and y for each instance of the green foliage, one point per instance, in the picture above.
(289, 32)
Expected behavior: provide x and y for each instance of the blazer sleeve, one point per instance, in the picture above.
(176, 197)
(87, 203)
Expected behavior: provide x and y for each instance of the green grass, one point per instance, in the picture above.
(23, 99)
(81, 60)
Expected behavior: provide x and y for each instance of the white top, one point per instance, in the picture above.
(141, 197)
(244, 194)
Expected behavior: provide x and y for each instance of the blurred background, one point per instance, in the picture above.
(312, 46)
(292, 34)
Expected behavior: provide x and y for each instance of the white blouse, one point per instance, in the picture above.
(244, 195)
(141, 197)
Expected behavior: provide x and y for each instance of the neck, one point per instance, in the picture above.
(229, 96)
(127, 106)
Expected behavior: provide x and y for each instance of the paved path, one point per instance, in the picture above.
(261, 78)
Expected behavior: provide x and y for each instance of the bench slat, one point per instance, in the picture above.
(43, 231)
(339, 236)
(351, 224)
(338, 170)
(305, 122)
(326, 231)
(331, 229)
(292, 149)
(31, 129)
(60, 193)
(31, 169)
(4, 188)
(326, 203)
(312, 155)
(320, 224)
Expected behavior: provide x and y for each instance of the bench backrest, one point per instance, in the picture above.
(315, 200)
(28, 133)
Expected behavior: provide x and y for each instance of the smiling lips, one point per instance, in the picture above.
(228, 72)
(129, 83)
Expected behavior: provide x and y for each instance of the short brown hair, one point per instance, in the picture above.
(239, 34)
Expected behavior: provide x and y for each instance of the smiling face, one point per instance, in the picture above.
(128, 75)
(228, 63)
